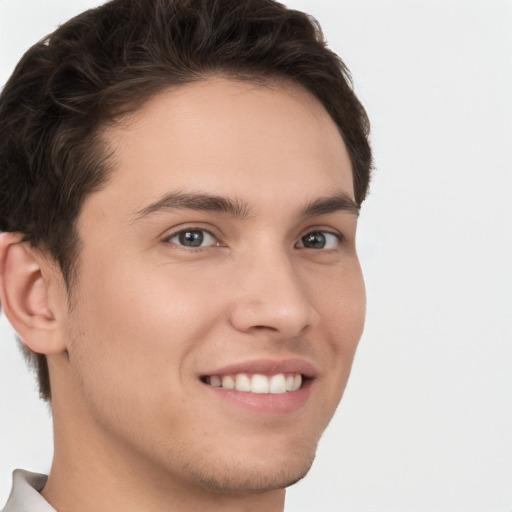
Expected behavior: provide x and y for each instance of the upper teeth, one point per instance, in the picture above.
(257, 383)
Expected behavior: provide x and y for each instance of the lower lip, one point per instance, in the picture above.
(265, 403)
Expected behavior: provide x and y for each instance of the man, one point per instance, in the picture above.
(180, 184)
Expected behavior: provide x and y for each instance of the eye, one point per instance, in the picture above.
(319, 240)
(192, 238)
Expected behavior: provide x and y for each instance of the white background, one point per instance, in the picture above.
(426, 422)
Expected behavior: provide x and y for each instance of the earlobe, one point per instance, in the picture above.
(24, 295)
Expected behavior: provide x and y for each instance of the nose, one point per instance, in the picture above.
(272, 298)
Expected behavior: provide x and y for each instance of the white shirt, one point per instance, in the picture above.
(25, 495)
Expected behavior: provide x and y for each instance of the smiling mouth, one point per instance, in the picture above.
(256, 383)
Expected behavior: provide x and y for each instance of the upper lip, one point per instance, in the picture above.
(267, 367)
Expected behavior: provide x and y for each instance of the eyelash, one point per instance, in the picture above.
(326, 234)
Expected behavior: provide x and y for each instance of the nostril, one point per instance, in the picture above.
(262, 327)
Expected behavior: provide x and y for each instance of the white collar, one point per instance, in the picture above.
(25, 495)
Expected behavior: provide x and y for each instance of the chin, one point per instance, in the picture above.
(245, 477)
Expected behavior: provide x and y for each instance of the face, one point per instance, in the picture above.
(219, 300)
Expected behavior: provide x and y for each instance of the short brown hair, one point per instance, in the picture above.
(109, 60)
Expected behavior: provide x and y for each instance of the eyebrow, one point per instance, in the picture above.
(331, 204)
(194, 201)
(239, 209)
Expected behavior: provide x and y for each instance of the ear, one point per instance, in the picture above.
(28, 289)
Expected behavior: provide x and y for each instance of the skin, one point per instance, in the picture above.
(135, 428)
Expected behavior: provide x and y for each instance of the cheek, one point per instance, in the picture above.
(340, 299)
(133, 343)
(352, 311)
(149, 301)
(143, 325)
(341, 304)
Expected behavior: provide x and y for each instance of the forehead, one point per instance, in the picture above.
(223, 137)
